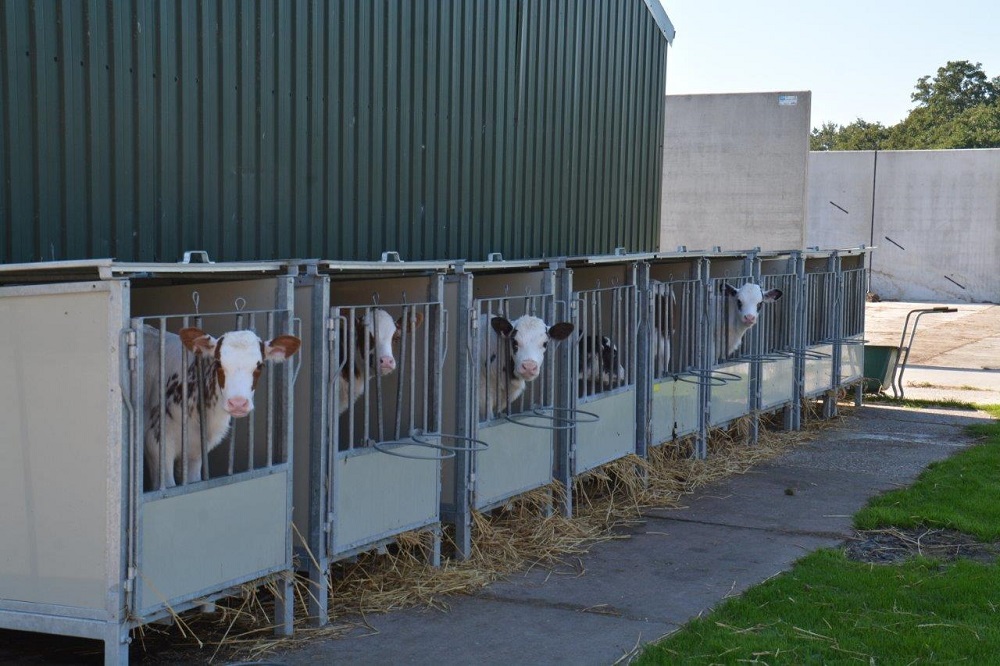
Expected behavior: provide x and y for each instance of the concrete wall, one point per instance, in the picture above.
(734, 170)
(936, 219)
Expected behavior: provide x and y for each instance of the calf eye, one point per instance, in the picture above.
(739, 304)
(758, 306)
(545, 344)
(514, 345)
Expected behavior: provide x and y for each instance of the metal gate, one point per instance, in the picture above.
(604, 370)
(819, 323)
(730, 352)
(514, 421)
(773, 337)
(852, 292)
(376, 443)
(179, 550)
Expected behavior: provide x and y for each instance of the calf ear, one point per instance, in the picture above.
(416, 319)
(501, 326)
(281, 347)
(728, 289)
(198, 341)
(561, 330)
(772, 295)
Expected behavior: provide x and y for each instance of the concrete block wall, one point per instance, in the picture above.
(735, 170)
(934, 216)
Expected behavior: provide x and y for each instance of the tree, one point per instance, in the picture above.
(859, 135)
(958, 108)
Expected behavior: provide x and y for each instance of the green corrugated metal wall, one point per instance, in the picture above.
(264, 130)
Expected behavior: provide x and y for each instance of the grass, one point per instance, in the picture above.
(830, 610)
(919, 403)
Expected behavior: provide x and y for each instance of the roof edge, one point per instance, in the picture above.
(655, 8)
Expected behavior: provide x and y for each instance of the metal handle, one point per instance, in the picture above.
(381, 448)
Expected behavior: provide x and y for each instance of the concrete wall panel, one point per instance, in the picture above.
(735, 170)
(936, 219)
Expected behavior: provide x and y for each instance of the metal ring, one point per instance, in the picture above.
(378, 446)
(769, 357)
(482, 446)
(710, 378)
(701, 380)
(566, 423)
(813, 355)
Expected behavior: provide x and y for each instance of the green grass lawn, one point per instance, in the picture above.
(830, 610)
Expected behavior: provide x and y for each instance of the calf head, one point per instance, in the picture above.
(239, 358)
(599, 361)
(528, 337)
(377, 331)
(749, 298)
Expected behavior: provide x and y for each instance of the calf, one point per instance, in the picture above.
(599, 365)
(528, 336)
(229, 369)
(374, 335)
(741, 310)
(664, 303)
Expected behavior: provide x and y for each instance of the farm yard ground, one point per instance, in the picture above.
(678, 563)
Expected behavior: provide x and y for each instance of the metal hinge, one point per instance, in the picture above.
(131, 339)
(130, 579)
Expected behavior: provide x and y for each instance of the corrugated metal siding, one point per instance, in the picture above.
(263, 130)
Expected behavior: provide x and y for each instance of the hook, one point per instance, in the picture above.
(375, 298)
(240, 303)
(196, 297)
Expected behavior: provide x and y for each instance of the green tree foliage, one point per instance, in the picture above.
(957, 108)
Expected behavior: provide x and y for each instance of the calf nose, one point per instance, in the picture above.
(749, 319)
(529, 369)
(238, 406)
(387, 364)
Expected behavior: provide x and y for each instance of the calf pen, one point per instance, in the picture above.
(371, 443)
(140, 552)
(604, 301)
(512, 421)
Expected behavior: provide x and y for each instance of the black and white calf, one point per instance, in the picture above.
(503, 382)
(741, 310)
(374, 334)
(222, 372)
(600, 367)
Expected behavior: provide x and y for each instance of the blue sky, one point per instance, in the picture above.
(859, 59)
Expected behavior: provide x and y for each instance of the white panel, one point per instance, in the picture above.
(56, 358)
(610, 438)
(819, 371)
(378, 495)
(777, 383)
(732, 399)
(852, 363)
(195, 543)
(519, 459)
(675, 410)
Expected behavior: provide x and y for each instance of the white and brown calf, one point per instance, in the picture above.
(503, 382)
(230, 367)
(374, 336)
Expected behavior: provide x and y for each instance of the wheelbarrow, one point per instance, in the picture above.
(885, 364)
